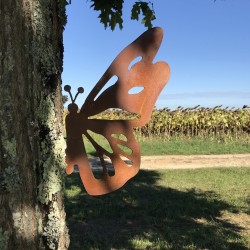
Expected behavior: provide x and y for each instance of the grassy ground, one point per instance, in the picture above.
(182, 146)
(193, 146)
(166, 209)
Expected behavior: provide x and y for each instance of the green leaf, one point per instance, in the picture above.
(147, 13)
(135, 12)
(111, 12)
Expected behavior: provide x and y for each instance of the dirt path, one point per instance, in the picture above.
(195, 161)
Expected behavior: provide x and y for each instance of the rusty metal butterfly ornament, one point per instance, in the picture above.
(151, 78)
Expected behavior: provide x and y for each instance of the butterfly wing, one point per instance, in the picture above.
(119, 135)
(152, 77)
(126, 163)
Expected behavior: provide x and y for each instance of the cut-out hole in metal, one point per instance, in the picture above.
(120, 137)
(98, 168)
(128, 162)
(116, 114)
(125, 149)
(76, 168)
(136, 90)
(136, 60)
(102, 141)
(110, 83)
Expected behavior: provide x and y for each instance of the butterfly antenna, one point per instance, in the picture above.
(79, 91)
(67, 88)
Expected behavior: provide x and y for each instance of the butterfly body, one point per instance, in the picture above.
(151, 78)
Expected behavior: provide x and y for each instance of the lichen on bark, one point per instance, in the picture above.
(4, 237)
(31, 139)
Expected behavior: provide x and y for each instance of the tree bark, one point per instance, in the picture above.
(32, 146)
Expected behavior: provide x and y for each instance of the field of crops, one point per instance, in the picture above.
(217, 123)
(220, 124)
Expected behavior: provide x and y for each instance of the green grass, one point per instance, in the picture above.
(192, 146)
(182, 146)
(166, 209)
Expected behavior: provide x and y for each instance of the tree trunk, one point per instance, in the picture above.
(32, 146)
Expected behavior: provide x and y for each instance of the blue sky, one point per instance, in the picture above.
(206, 44)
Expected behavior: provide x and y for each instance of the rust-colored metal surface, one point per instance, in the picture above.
(151, 78)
